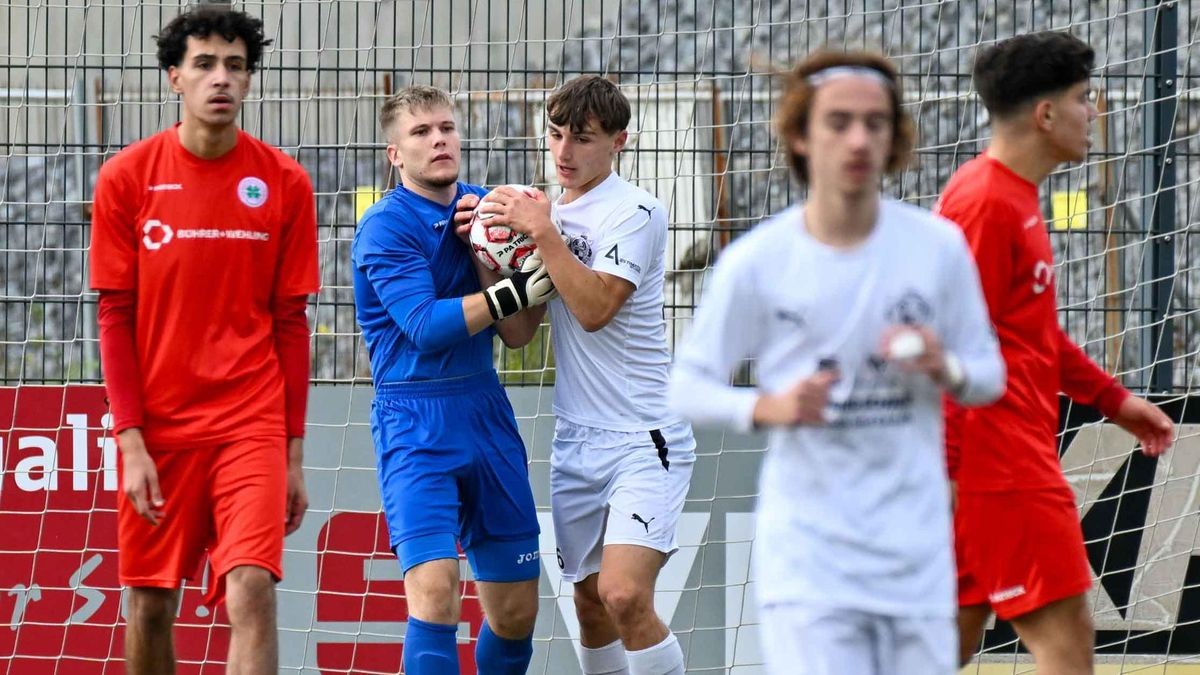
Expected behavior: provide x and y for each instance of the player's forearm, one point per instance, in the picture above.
(590, 296)
(290, 326)
(118, 358)
(1085, 382)
(519, 329)
(710, 401)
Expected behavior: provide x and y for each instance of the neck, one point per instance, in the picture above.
(207, 142)
(571, 194)
(1025, 154)
(841, 220)
(442, 194)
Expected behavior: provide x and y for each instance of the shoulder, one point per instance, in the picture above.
(920, 226)
(765, 240)
(975, 190)
(627, 200)
(132, 160)
(383, 223)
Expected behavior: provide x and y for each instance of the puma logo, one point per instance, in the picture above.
(648, 212)
(645, 523)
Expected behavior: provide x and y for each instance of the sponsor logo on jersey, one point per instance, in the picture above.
(1043, 276)
(164, 187)
(156, 234)
(440, 224)
(252, 191)
(615, 256)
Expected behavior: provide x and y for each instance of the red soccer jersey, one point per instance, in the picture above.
(1010, 445)
(206, 246)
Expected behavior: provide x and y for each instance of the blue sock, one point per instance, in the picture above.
(430, 648)
(495, 655)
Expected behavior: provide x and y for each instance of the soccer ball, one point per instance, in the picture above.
(498, 246)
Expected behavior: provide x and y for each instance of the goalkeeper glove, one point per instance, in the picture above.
(529, 287)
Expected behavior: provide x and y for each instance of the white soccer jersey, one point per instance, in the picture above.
(854, 513)
(615, 378)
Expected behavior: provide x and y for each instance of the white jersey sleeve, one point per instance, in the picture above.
(970, 335)
(721, 336)
(636, 237)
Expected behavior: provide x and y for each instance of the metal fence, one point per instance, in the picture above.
(78, 81)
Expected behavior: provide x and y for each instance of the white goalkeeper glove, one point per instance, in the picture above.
(529, 287)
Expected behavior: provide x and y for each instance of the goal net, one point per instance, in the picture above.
(79, 81)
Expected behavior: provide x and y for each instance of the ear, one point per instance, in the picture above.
(799, 146)
(1043, 115)
(619, 141)
(393, 155)
(173, 79)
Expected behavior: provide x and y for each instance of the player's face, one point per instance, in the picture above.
(583, 160)
(849, 135)
(211, 80)
(1073, 113)
(425, 147)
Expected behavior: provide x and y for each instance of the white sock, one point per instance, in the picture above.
(606, 660)
(664, 658)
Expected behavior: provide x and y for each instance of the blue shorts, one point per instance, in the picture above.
(453, 470)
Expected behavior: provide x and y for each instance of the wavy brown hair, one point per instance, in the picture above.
(794, 108)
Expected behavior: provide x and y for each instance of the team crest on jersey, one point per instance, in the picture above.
(910, 310)
(581, 248)
(252, 191)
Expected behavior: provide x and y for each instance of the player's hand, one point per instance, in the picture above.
(803, 403)
(1153, 429)
(297, 494)
(140, 476)
(529, 287)
(523, 212)
(931, 361)
(464, 213)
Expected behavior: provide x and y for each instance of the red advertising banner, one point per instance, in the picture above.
(61, 604)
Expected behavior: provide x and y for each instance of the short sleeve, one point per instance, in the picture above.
(113, 250)
(297, 268)
(637, 236)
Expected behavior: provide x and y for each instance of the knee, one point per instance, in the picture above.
(625, 602)
(433, 598)
(515, 621)
(152, 609)
(249, 595)
(589, 607)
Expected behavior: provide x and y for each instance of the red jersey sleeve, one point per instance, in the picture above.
(290, 325)
(1085, 382)
(113, 250)
(297, 271)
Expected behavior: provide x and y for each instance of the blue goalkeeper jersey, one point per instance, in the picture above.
(410, 275)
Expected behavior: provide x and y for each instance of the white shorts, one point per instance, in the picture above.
(803, 640)
(616, 487)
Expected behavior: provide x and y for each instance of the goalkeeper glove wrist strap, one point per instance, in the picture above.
(502, 299)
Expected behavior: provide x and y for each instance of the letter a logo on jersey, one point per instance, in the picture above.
(252, 191)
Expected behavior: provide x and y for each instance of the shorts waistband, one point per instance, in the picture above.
(447, 387)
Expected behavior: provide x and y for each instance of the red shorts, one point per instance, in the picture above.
(1019, 551)
(229, 500)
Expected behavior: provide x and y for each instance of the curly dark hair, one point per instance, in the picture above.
(1021, 69)
(202, 22)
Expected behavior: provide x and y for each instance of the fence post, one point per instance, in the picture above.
(1158, 182)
